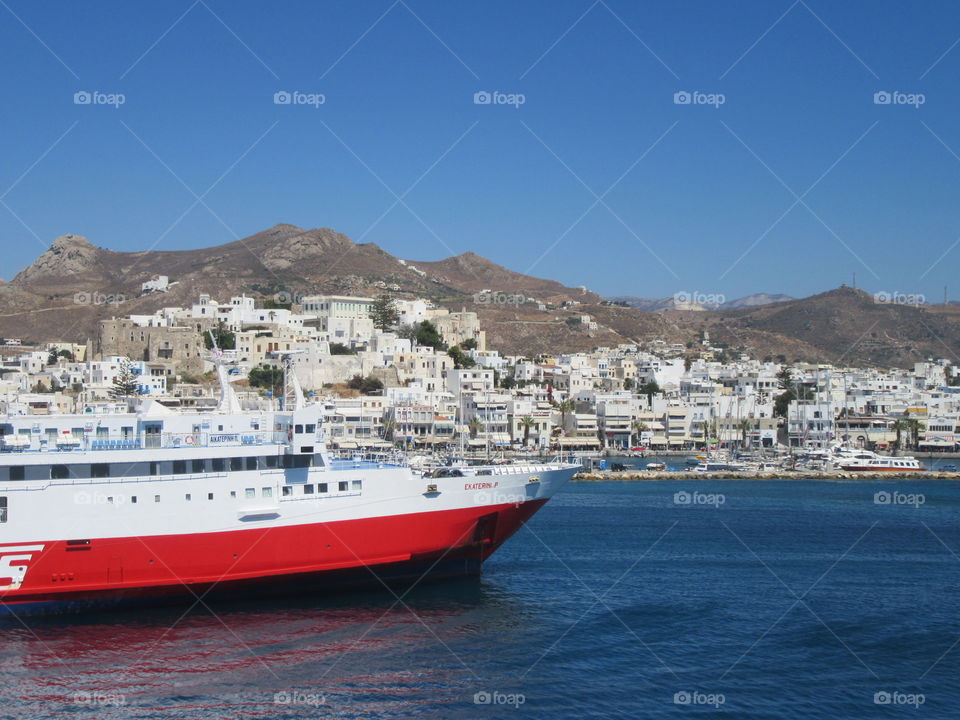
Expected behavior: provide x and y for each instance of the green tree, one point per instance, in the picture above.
(226, 340)
(341, 349)
(384, 313)
(638, 427)
(650, 388)
(474, 426)
(125, 383)
(426, 334)
(365, 385)
(460, 358)
(628, 383)
(565, 407)
(469, 344)
(744, 426)
(267, 377)
(527, 422)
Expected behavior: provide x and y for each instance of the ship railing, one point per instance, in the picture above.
(68, 442)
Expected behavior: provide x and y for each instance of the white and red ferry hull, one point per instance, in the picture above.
(220, 543)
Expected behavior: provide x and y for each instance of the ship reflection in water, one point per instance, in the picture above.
(352, 655)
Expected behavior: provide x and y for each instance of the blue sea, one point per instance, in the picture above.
(747, 599)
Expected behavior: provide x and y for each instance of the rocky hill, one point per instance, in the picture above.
(74, 284)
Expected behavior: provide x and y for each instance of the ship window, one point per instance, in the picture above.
(266, 492)
(100, 470)
(133, 499)
(209, 496)
(154, 468)
(236, 463)
(156, 498)
(270, 461)
(298, 429)
(250, 492)
(306, 449)
(322, 487)
(187, 496)
(3, 509)
(198, 466)
(218, 464)
(179, 467)
(251, 463)
(287, 491)
(233, 493)
(311, 428)
(308, 489)
(342, 485)
(59, 472)
(16, 472)
(356, 484)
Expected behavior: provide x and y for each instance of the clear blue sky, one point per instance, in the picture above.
(711, 195)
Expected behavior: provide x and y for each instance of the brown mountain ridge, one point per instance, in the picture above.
(74, 284)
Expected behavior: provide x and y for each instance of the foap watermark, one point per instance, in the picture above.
(288, 298)
(695, 97)
(499, 298)
(298, 697)
(895, 697)
(86, 97)
(700, 299)
(899, 298)
(495, 697)
(695, 697)
(483, 97)
(101, 699)
(493, 497)
(295, 97)
(884, 97)
(698, 498)
(895, 497)
(85, 497)
(95, 297)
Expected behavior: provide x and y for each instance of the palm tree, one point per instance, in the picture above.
(638, 426)
(474, 426)
(744, 425)
(900, 426)
(527, 422)
(565, 407)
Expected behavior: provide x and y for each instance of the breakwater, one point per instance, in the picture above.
(640, 475)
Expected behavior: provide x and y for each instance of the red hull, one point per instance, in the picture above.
(310, 556)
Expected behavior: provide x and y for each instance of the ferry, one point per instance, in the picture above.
(104, 509)
(871, 461)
